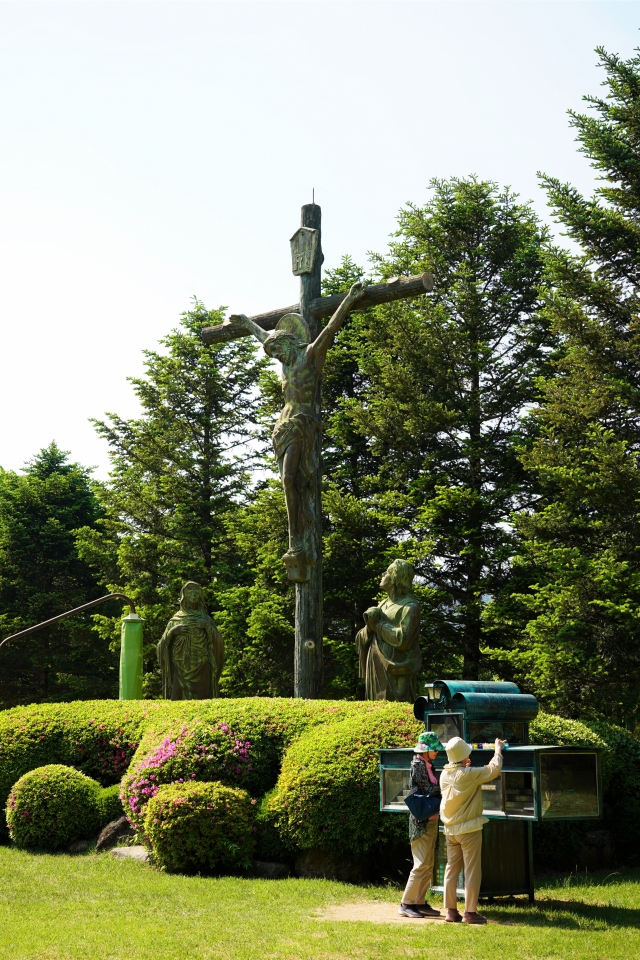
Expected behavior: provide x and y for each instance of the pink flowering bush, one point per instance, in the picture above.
(197, 752)
(200, 827)
(50, 807)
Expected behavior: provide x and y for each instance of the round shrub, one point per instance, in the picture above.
(328, 791)
(200, 827)
(52, 806)
(198, 752)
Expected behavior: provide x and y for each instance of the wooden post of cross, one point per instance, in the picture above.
(300, 342)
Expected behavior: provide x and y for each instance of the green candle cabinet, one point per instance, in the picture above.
(538, 783)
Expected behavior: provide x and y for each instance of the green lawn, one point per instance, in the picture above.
(93, 906)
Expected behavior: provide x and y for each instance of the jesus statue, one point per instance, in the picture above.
(295, 432)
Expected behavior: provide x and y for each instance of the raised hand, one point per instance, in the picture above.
(356, 291)
(236, 319)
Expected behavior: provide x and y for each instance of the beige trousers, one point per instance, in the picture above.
(463, 849)
(424, 851)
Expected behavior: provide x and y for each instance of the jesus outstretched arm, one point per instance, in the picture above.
(323, 341)
(249, 325)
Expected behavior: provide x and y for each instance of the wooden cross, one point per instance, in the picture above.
(297, 441)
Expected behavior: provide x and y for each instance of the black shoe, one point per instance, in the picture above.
(427, 911)
(453, 916)
(410, 910)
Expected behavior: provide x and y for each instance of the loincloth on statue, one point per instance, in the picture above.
(299, 428)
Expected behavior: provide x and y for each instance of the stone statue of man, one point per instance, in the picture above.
(294, 435)
(191, 651)
(389, 643)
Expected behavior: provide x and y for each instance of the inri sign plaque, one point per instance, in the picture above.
(304, 245)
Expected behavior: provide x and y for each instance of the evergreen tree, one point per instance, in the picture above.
(179, 473)
(257, 612)
(576, 610)
(441, 390)
(41, 575)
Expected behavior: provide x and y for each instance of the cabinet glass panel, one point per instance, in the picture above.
(518, 793)
(486, 731)
(568, 785)
(493, 796)
(396, 785)
(511, 795)
(445, 725)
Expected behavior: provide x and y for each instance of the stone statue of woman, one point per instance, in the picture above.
(191, 651)
(389, 643)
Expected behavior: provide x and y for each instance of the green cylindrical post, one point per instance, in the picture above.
(131, 658)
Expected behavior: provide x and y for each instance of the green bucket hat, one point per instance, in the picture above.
(430, 741)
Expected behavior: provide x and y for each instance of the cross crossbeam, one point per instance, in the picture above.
(397, 288)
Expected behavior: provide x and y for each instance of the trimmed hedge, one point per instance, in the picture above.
(102, 737)
(97, 737)
(328, 790)
(193, 827)
(52, 806)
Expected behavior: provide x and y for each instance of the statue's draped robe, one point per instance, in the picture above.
(191, 662)
(390, 657)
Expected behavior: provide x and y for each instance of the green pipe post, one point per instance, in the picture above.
(131, 658)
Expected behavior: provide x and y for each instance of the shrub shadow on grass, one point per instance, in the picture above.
(570, 914)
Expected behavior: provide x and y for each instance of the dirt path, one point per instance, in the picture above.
(373, 911)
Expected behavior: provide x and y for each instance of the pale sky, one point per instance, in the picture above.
(153, 151)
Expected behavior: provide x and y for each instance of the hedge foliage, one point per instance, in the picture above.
(558, 844)
(102, 737)
(109, 804)
(50, 807)
(200, 827)
(97, 737)
(328, 790)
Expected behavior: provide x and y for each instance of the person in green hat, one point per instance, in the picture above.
(422, 833)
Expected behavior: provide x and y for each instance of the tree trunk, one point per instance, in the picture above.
(308, 665)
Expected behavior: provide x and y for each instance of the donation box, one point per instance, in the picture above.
(542, 783)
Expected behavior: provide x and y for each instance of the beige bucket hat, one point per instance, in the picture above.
(457, 750)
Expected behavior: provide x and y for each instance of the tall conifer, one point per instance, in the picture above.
(432, 416)
(576, 614)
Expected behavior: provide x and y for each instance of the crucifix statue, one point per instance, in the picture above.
(295, 433)
(300, 343)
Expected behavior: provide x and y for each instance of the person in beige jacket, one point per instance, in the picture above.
(461, 815)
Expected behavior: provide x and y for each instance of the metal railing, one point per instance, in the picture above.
(70, 613)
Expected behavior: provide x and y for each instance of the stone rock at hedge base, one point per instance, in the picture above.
(267, 870)
(319, 864)
(113, 832)
(596, 850)
(132, 853)
(78, 846)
